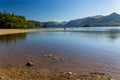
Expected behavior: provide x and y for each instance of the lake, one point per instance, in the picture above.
(81, 28)
(97, 50)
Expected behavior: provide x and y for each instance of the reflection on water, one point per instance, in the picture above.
(12, 38)
(114, 34)
(83, 28)
(71, 41)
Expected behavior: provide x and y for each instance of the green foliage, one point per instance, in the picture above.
(87, 25)
(37, 23)
(45, 24)
(51, 24)
(13, 21)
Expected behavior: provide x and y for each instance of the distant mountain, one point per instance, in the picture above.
(98, 20)
(51, 24)
(63, 23)
(97, 16)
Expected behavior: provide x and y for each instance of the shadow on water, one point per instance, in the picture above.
(12, 38)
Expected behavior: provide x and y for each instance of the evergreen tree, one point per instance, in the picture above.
(13, 21)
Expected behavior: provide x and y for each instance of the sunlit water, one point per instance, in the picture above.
(82, 51)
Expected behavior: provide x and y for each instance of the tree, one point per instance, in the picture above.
(87, 25)
(13, 14)
(13, 21)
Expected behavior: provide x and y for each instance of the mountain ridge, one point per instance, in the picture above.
(112, 19)
(98, 20)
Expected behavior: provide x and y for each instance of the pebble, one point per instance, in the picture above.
(50, 55)
(1, 77)
(61, 59)
(111, 79)
(69, 77)
(55, 58)
(70, 73)
(30, 64)
(45, 55)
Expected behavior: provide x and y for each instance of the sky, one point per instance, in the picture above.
(59, 10)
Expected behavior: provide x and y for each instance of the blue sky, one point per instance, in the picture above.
(59, 10)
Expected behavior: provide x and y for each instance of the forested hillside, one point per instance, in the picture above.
(12, 21)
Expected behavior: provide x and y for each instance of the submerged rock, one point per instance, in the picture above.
(1, 78)
(55, 58)
(61, 59)
(45, 55)
(50, 55)
(29, 64)
(96, 73)
(111, 79)
(70, 73)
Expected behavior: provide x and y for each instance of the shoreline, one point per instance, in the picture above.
(15, 31)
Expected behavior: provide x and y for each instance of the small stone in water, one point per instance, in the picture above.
(45, 55)
(55, 58)
(1, 77)
(29, 64)
(69, 77)
(111, 79)
(70, 73)
(50, 55)
(62, 59)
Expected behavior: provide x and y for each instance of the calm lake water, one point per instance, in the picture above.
(82, 28)
(82, 51)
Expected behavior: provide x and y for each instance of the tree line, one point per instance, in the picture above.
(46, 24)
(12, 21)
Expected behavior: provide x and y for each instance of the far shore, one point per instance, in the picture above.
(14, 31)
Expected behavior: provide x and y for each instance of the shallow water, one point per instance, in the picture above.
(82, 51)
